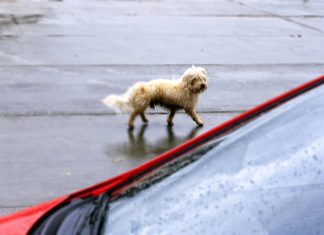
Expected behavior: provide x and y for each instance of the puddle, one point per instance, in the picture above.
(140, 145)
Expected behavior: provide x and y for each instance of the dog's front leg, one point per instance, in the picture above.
(170, 117)
(192, 113)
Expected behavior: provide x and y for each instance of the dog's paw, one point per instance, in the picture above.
(200, 123)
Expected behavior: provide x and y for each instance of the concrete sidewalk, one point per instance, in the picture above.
(59, 58)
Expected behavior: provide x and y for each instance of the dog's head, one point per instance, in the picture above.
(195, 78)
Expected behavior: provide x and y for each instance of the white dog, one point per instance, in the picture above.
(172, 95)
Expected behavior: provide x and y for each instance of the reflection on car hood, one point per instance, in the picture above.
(265, 178)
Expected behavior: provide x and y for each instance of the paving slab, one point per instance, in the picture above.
(68, 11)
(89, 34)
(315, 22)
(167, 47)
(286, 7)
(78, 90)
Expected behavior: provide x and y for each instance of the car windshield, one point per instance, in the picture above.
(266, 177)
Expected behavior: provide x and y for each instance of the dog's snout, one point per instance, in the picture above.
(203, 86)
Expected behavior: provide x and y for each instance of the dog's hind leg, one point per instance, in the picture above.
(192, 113)
(170, 117)
(144, 119)
(132, 119)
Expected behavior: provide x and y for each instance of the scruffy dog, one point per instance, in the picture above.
(171, 95)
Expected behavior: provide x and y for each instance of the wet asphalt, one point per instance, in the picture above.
(58, 59)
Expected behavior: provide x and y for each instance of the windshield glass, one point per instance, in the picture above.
(265, 178)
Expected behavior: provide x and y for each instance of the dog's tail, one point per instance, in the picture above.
(119, 104)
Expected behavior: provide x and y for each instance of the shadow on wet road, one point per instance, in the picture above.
(139, 145)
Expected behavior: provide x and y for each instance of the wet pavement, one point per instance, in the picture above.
(58, 59)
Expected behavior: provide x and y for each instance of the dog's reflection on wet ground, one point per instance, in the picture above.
(140, 146)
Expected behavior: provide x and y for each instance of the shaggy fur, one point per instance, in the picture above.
(171, 95)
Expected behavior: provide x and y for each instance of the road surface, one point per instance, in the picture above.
(58, 59)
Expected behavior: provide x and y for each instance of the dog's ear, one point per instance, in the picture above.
(201, 69)
(187, 77)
